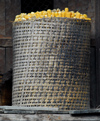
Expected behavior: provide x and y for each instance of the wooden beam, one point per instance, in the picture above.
(6, 42)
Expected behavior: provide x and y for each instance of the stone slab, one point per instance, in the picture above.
(12, 113)
(43, 110)
(47, 117)
(89, 111)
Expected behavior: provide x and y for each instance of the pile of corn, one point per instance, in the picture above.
(51, 13)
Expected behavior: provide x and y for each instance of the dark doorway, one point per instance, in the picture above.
(28, 6)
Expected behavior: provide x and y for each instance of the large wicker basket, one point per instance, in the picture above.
(51, 65)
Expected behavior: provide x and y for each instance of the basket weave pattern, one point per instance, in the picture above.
(51, 63)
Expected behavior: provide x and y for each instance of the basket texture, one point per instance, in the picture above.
(51, 66)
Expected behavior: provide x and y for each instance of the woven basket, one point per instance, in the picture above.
(51, 63)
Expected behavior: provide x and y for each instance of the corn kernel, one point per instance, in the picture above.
(32, 13)
(16, 19)
(22, 14)
(68, 14)
(56, 14)
(49, 11)
(82, 17)
(85, 15)
(49, 15)
(78, 15)
(19, 19)
(45, 16)
(54, 10)
(27, 17)
(23, 19)
(88, 19)
(44, 13)
(52, 14)
(17, 16)
(41, 16)
(66, 10)
(72, 14)
(58, 10)
(63, 14)
(59, 14)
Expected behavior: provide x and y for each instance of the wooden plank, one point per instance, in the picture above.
(97, 13)
(92, 42)
(8, 58)
(13, 8)
(2, 17)
(93, 77)
(89, 111)
(2, 60)
(6, 42)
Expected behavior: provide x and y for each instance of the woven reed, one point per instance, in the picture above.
(51, 63)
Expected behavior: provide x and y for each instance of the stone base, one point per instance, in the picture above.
(14, 113)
